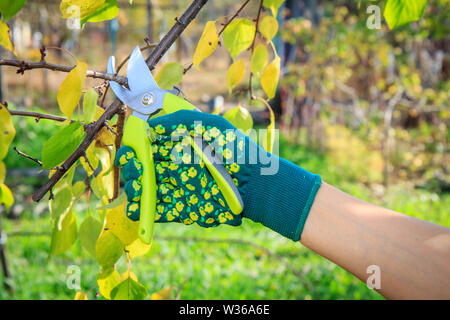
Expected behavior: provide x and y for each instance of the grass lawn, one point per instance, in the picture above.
(249, 262)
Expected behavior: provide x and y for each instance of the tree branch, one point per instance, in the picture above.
(39, 162)
(26, 65)
(36, 115)
(157, 53)
(252, 48)
(117, 143)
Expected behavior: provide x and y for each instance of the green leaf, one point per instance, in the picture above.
(129, 289)
(268, 27)
(270, 76)
(7, 131)
(62, 144)
(89, 232)
(401, 12)
(273, 5)
(259, 60)
(240, 118)
(90, 105)
(207, 43)
(238, 36)
(109, 10)
(60, 204)
(235, 74)
(64, 233)
(169, 75)
(108, 280)
(6, 196)
(120, 200)
(9, 8)
(108, 249)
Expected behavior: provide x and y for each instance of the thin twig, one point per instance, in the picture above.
(252, 48)
(88, 162)
(39, 162)
(117, 143)
(110, 129)
(181, 288)
(156, 55)
(36, 115)
(26, 65)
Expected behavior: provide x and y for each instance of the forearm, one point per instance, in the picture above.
(413, 255)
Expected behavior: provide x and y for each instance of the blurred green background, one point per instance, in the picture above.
(367, 109)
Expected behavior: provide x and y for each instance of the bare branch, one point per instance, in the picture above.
(26, 65)
(39, 162)
(36, 115)
(157, 53)
(117, 143)
(252, 48)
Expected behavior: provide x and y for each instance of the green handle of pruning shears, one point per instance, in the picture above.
(173, 103)
(136, 135)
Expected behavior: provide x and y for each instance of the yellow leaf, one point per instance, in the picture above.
(128, 274)
(69, 8)
(6, 196)
(69, 92)
(123, 228)
(5, 40)
(7, 131)
(137, 248)
(80, 296)
(235, 74)
(269, 78)
(207, 43)
(259, 60)
(268, 27)
(273, 5)
(105, 178)
(164, 294)
(269, 137)
(108, 280)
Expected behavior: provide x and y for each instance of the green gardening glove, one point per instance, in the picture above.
(275, 192)
(186, 193)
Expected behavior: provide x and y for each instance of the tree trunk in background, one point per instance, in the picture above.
(150, 31)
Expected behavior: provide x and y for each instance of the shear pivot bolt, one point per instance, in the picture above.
(148, 99)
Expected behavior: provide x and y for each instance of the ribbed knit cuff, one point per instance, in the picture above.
(281, 201)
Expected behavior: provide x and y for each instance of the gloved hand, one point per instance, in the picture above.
(275, 192)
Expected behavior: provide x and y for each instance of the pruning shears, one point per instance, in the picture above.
(145, 99)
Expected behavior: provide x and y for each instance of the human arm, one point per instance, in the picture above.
(413, 255)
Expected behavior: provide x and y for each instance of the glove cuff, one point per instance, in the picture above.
(281, 201)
